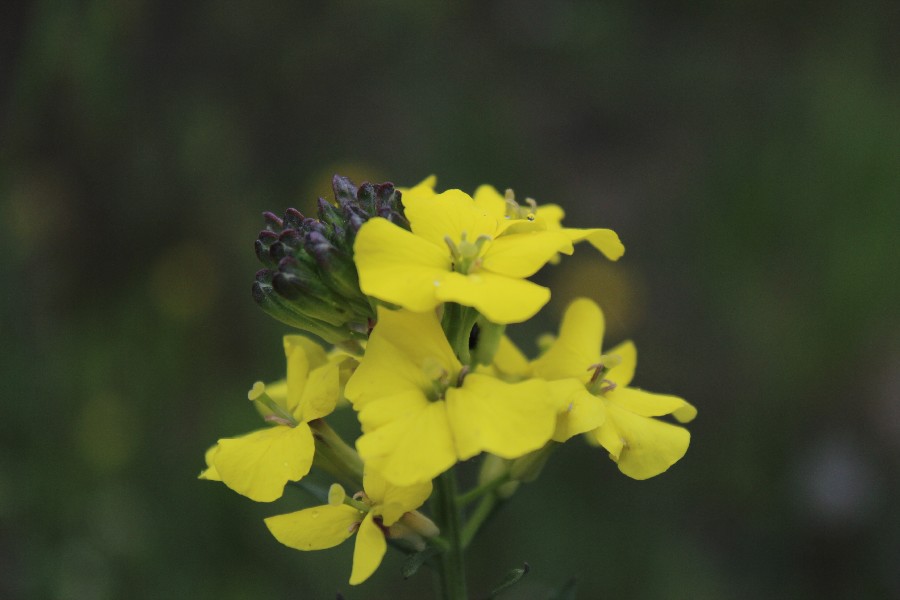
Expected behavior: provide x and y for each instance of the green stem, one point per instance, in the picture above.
(453, 568)
(484, 510)
(336, 454)
(477, 492)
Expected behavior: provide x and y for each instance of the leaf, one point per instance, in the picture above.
(567, 591)
(414, 561)
(512, 578)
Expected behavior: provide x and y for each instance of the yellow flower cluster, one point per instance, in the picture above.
(438, 382)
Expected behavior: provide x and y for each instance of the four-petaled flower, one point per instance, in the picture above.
(456, 252)
(260, 463)
(421, 412)
(382, 510)
(642, 446)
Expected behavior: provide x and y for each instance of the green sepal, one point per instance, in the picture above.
(510, 579)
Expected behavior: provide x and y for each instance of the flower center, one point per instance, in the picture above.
(438, 376)
(598, 384)
(466, 254)
(514, 210)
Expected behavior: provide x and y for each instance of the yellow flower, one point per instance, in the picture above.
(456, 252)
(641, 445)
(260, 463)
(532, 217)
(382, 510)
(547, 217)
(421, 412)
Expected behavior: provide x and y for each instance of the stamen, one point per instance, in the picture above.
(599, 370)
(598, 384)
(454, 250)
(279, 415)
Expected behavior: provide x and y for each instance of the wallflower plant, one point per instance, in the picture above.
(414, 289)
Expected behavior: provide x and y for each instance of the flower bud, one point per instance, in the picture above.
(310, 280)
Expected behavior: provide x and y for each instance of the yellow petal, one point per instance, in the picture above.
(578, 411)
(604, 240)
(506, 419)
(397, 266)
(607, 435)
(297, 370)
(321, 393)
(382, 410)
(451, 213)
(578, 344)
(402, 353)
(426, 184)
(259, 464)
(686, 413)
(644, 403)
(490, 201)
(623, 373)
(649, 447)
(510, 361)
(369, 550)
(523, 254)
(500, 299)
(550, 214)
(414, 449)
(210, 473)
(315, 528)
(394, 501)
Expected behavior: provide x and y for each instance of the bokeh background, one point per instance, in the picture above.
(748, 154)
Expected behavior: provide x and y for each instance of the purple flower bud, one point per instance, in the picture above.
(292, 218)
(273, 223)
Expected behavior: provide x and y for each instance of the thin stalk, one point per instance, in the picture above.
(453, 568)
(477, 492)
(336, 454)
(485, 509)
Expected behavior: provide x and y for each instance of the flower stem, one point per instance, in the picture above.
(477, 492)
(335, 455)
(484, 510)
(453, 568)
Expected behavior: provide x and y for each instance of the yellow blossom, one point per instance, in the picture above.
(532, 217)
(642, 445)
(456, 252)
(382, 510)
(421, 412)
(260, 463)
(546, 217)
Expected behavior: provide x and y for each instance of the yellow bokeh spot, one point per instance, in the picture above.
(105, 432)
(185, 281)
(619, 289)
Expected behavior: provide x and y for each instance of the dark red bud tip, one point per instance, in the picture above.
(292, 218)
(273, 222)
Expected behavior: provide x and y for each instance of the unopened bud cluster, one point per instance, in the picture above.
(309, 280)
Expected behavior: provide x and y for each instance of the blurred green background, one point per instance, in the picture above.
(748, 154)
